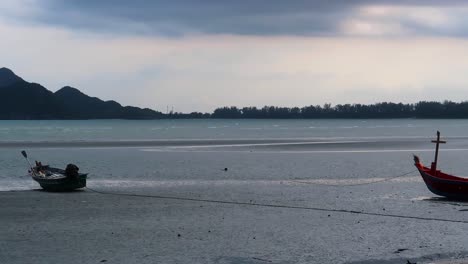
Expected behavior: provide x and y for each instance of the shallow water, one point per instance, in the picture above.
(117, 130)
(136, 153)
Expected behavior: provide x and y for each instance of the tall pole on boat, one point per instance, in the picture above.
(438, 141)
(25, 155)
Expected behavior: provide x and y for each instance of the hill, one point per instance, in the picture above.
(25, 100)
(8, 77)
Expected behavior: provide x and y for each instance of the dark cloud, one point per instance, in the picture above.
(178, 17)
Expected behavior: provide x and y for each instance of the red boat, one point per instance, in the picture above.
(440, 183)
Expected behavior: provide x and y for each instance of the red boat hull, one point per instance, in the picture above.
(444, 184)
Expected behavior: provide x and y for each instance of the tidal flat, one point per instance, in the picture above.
(340, 199)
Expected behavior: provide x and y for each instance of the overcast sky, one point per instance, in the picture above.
(198, 55)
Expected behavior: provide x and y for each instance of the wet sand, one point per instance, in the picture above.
(282, 201)
(90, 227)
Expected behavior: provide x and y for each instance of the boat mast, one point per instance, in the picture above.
(438, 141)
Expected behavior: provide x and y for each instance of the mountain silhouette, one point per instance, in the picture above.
(25, 100)
(8, 77)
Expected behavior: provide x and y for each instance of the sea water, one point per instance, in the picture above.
(124, 153)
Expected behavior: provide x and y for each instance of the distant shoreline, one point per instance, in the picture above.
(219, 118)
(23, 100)
(385, 110)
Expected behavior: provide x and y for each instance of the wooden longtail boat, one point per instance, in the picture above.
(440, 183)
(58, 180)
(55, 179)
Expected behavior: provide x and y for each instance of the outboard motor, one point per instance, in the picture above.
(72, 171)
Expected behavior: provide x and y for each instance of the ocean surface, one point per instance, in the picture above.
(146, 154)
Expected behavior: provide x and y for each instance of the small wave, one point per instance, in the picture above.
(263, 144)
(193, 149)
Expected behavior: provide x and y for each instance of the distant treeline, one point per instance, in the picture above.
(422, 109)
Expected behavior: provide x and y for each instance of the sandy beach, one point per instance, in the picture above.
(90, 227)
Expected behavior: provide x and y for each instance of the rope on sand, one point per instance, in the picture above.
(356, 184)
(297, 207)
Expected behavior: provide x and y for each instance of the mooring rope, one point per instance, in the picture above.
(356, 184)
(298, 207)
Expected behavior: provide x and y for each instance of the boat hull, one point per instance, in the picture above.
(61, 185)
(59, 182)
(443, 184)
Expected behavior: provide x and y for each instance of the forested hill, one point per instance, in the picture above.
(25, 100)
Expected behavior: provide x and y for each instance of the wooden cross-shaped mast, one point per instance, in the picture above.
(438, 141)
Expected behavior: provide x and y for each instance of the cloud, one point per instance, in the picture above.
(19, 10)
(389, 20)
(205, 71)
(257, 17)
(173, 18)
